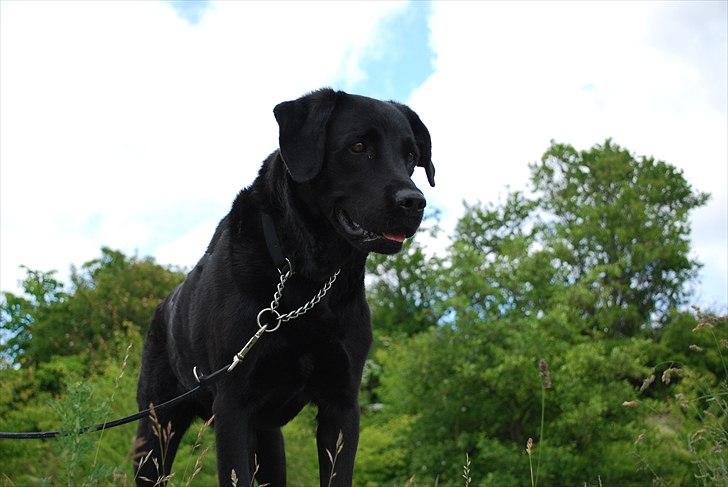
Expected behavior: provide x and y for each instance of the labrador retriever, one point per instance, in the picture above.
(338, 188)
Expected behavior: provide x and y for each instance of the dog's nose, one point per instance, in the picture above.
(410, 199)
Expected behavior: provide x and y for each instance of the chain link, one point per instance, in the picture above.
(279, 289)
(278, 294)
(278, 318)
(313, 301)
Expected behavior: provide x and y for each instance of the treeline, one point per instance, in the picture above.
(558, 316)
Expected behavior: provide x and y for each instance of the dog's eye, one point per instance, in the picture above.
(358, 148)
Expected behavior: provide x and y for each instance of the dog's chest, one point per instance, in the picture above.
(297, 365)
(306, 365)
(289, 375)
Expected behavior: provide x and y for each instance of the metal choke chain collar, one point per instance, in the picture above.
(278, 318)
(275, 251)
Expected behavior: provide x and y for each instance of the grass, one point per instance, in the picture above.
(529, 452)
(466, 471)
(699, 422)
(705, 417)
(709, 442)
(543, 368)
(200, 458)
(332, 458)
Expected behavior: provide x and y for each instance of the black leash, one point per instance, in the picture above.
(274, 249)
(34, 435)
(203, 380)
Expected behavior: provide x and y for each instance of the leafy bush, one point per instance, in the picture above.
(556, 318)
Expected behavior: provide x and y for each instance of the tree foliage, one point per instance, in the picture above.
(586, 273)
(618, 225)
(107, 295)
(408, 294)
(581, 279)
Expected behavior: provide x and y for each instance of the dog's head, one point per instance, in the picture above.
(355, 156)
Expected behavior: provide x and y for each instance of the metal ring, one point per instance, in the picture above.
(277, 319)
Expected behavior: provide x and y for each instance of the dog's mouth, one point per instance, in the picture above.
(357, 232)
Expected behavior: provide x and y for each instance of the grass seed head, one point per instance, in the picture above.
(647, 382)
(668, 373)
(543, 368)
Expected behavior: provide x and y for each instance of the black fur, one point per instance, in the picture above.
(317, 176)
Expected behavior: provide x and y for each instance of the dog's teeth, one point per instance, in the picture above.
(354, 225)
(356, 230)
(370, 235)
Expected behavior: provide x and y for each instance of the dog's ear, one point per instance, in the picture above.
(422, 138)
(302, 132)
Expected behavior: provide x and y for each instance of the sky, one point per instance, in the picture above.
(134, 124)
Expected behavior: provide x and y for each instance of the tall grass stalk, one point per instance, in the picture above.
(543, 368)
(540, 435)
(199, 460)
(466, 471)
(7, 481)
(164, 436)
(708, 444)
(332, 459)
(709, 321)
(256, 469)
(117, 381)
(529, 451)
(76, 410)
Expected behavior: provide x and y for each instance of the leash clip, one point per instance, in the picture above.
(244, 351)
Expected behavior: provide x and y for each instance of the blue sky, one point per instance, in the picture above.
(119, 141)
(399, 61)
(402, 59)
(190, 10)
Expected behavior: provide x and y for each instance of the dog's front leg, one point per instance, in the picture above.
(336, 455)
(232, 440)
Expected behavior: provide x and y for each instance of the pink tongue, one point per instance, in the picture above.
(397, 237)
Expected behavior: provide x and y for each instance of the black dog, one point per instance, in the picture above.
(338, 188)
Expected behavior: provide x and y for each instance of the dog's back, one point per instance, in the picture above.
(338, 188)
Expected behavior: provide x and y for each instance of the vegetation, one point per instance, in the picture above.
(550, 344)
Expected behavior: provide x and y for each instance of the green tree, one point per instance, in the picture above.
(496, 268)
(42, 299)
(71, 356)
(587, 271)
(476, 388)
(618, 227)
(404, 295)
(577, 274)
(107, 295)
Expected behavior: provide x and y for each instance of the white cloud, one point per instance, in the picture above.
(120, 122)
(511, 76)
(123, 112)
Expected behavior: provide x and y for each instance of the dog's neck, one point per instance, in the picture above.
(307, 237)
